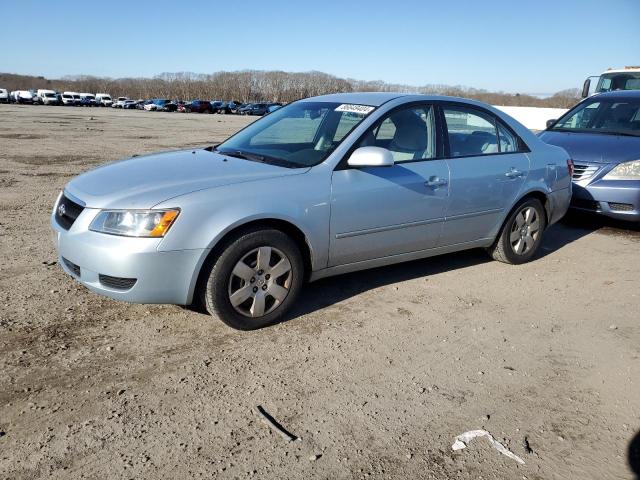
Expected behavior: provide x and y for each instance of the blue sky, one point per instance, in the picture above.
(516, 46)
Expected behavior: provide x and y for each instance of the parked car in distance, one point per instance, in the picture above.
(47, 97)
(184, 107)
(322, 186)
(24, 97)
(77, 99)
(257, 108)
(104, 99)
(120, 102)
(199, 106)
(130, 104)
(216, 106)
(4, 95)
(244, 109)
(229, 107)
(88, 99)
(602, 136)
(67, 99)
(171, 106)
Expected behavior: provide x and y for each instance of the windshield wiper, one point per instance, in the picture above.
(244, 155)
(255, 157)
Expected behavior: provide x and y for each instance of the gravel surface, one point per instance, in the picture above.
(375, 373)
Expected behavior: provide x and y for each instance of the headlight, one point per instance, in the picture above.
(134, 223)
(625, 171)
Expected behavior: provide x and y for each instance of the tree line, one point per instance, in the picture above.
(259, 85)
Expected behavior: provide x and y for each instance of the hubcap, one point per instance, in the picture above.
(260, 282)
(525, 230)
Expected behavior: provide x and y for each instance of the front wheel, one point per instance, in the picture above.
(255, 280)
(521, 234)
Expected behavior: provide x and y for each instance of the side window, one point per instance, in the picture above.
(409, 134)
(471, 132)
(508, 141)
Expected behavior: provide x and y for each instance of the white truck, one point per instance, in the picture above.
(47, 97)
(104, 99)
(627, 78)
(4, 95)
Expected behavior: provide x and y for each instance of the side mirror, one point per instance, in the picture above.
(585, 88)
(371, 157)
(551, 122)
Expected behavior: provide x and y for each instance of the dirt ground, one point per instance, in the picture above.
(376, 372)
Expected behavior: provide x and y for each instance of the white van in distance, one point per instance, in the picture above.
(75, 98)
(88, 99)
(47, 97)
(104, 99)
(4, 95)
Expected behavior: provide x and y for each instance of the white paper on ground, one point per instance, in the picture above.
(463, 439)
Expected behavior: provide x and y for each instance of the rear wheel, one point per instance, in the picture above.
(521, 234)
(255, 280)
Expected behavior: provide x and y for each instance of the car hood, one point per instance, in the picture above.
(594, 147)
(145, 181)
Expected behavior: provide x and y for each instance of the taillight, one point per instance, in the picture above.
(570, 167)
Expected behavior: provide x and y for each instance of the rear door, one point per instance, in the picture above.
(383, 211)
(488, 166)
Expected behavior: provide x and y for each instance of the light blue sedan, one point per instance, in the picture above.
(320, 187)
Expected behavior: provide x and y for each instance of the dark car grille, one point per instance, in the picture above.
(72, 266)
(67, 211)
(117, 283)
(621, 207)
(585, 204)
(580, 172)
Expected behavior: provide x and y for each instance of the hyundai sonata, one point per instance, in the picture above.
(322, 186)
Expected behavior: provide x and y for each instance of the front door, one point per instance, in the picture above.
(382, 211)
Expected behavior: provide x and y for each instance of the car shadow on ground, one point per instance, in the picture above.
(633, 456)
(328, 291)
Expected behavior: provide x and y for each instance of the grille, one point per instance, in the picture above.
(67, 211)
(117, 283)
(580, 172)
(585, 204)
(621, 207)
(72, 266)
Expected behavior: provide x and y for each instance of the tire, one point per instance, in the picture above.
(521, 234)
(245, 261)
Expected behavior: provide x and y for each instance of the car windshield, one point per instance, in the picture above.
(302, 134)
(619, 81)
(610, 116)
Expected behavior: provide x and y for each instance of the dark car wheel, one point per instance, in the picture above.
(521, 235)
(255, 280)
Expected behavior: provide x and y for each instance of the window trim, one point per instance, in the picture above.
(440, 152)
(522, 146)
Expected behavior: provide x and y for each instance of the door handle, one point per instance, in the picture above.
(514, 173)
(435, 182)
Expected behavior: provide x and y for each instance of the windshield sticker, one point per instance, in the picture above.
(362, 109)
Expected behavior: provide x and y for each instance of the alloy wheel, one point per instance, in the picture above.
(260, 281)
(525, 230)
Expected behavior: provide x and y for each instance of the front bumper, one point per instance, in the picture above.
(618, 199)
(160, 276)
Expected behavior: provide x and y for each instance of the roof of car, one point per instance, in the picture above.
(633, 94)
(375, 99)
(361, 98)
